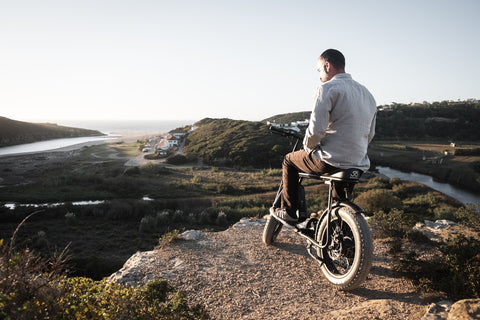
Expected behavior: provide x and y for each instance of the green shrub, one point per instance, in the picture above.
(375, 200)
(169, 237)
(88, 299)
(453, 270)
(177, 159)
(444, 213)
(32, 287)
(131, 171)
(394, 223)
(469, 216)
(408, 189)
(462, 260)
(378, 183)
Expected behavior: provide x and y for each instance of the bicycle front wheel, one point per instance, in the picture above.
(271, 230)
(348, 248)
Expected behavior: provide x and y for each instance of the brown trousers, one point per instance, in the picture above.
(294, 162)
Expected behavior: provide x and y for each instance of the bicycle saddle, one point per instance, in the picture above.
(349, 175)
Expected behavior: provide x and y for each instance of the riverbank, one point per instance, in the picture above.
(464, 196)
(70, 144)
(433, 159)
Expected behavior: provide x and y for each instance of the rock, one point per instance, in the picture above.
(69, 215)
(246, 222)
(465, 310)
(193, 235)
(437, 311)
(131, 273)
(433, 230)
(438, 224)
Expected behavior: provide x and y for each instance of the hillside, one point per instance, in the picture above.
(236, 143)
(439, 120)
(289, 117)
(13, 132)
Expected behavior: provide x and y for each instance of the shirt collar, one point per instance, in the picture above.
(343, 75)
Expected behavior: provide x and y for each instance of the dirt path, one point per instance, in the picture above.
(236, 276)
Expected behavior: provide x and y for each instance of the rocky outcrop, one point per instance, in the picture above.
(236, 276)
(133, 271)
(468, 309)
(465, 310)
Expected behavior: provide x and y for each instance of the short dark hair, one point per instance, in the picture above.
(334, 57)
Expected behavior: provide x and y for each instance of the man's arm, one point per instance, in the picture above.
(319, 120)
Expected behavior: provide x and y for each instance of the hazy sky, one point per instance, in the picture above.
(242, 59)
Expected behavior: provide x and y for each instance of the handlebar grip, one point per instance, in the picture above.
(273, 128)
(286, 133)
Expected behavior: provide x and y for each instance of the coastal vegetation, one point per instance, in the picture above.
(14, 132)
(33, 287)
(229, 169)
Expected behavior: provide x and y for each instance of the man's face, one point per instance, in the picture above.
(323, 67)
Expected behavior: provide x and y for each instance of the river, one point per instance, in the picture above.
(53, 144)
(114, 128)
(454, 192)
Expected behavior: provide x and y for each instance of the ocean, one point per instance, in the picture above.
(119, 126)
(112, 129)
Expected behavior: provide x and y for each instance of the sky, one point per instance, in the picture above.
(243, 59)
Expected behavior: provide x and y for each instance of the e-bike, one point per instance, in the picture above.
(340, 239)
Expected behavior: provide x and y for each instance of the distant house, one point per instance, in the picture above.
(162, 145)
(177, 133)
(172, 141)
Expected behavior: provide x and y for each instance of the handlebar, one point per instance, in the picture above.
(286, 132)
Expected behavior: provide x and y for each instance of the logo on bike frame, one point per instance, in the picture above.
(354, 174)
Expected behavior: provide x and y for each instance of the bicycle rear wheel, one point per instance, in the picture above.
(348, 251)
(271, 230)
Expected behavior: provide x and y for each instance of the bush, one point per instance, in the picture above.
(88, 299)
(34, 288)
(462, 260)
(378, 200)
(394, 223)
(177, 159)
(469, 216)
(378, 183)
(453, 270)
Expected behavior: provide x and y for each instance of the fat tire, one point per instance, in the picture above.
(363, 250)
(271, 230)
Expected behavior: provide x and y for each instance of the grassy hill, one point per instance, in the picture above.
(289, 117)
(236, 143)
(14, 132)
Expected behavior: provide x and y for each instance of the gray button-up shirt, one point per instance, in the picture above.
(342, 123)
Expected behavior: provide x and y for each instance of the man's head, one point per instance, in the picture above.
(330, 63)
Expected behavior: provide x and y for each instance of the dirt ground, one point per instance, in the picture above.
(236, 276)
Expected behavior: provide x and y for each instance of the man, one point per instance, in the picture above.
(341, 125)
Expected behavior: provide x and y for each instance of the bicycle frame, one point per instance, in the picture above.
(331, 181)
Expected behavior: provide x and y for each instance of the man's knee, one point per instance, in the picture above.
(287, 160)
